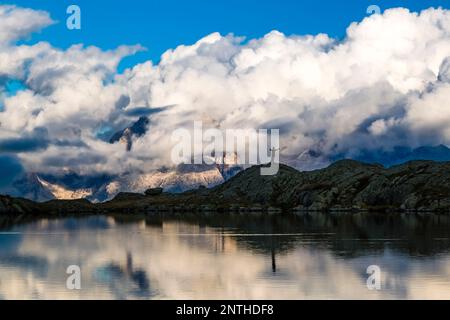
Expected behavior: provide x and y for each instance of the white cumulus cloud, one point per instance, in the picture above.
(385, 84)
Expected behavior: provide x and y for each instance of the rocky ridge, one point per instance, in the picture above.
(343, 186)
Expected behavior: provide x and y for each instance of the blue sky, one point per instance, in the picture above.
(159, 25)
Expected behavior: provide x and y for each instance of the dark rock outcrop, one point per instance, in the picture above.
(154, 191)
(9, 205)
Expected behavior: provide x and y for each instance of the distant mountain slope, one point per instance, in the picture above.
(99, 188)
(174, 181)
(60, 192)
(29, 186)
(399, 155)
(69, 186)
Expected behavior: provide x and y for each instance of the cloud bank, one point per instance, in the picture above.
(386, 84)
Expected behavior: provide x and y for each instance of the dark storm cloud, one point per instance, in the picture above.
(395, 112)
(82, 159)
(36, 140)
(145, 111)
(10, 168)
(70, 143)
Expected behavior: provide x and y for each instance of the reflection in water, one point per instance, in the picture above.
(122, 278)
(227, 257)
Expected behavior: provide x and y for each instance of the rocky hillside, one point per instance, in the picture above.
(345, 185)
(9, 205)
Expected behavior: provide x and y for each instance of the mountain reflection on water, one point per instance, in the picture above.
(313, 256)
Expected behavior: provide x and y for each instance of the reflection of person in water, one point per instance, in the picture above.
(274, 262)
(114, 274)
(273, 244)
(138, 276)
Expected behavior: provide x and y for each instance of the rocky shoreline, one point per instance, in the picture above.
(345, 186)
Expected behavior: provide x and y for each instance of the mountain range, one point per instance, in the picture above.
(42, 187)
(399, 155)
(98, 188)
(346, 185)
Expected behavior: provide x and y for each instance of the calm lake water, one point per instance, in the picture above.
(316, 256)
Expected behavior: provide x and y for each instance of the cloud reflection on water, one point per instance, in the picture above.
(207, 259)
